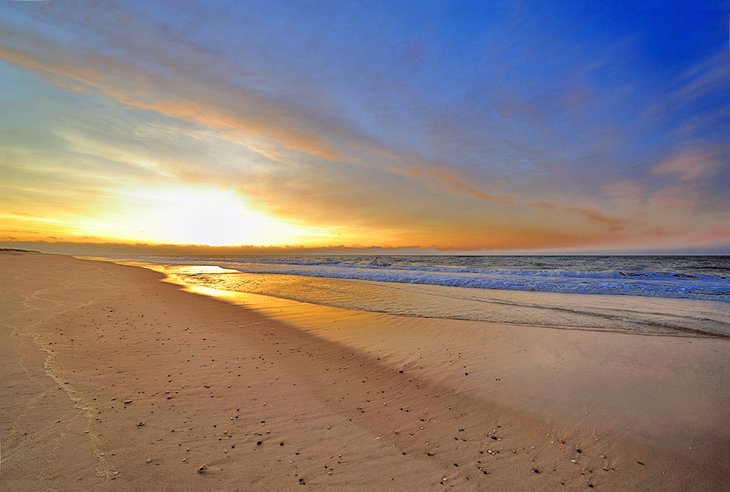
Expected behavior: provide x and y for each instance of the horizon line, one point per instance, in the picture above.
(134, 249)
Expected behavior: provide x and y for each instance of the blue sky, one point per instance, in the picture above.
(502, 126)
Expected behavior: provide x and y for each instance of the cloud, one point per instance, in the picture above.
(691, 164)
(613, 224)
(697, 96)
(708, 76)
(452, 180)
(677, 197)
(213, 104)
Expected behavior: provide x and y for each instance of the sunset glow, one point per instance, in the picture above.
(432, 134)
(196, 215)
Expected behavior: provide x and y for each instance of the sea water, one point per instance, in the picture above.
(658, 295)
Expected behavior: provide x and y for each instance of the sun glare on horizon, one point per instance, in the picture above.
(198, 215)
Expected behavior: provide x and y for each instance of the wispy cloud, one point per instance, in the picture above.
(692, 164)
(219, 107)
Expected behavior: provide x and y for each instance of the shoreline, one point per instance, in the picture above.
(655, 278)
(346, 401)
(640, 315)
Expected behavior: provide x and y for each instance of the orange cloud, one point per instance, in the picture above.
(613, 223)
(452, 180)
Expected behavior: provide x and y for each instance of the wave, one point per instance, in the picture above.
(678, 278)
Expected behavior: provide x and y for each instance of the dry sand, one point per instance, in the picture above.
(114, 380)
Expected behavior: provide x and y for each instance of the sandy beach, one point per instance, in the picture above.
(115, 380)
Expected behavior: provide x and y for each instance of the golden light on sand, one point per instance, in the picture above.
(196, 215)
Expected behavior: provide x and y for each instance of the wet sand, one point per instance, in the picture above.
(112, 379)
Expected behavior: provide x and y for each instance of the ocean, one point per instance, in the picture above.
(657, 295)
(689, 277)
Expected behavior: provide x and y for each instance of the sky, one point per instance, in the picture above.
(420, 126)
